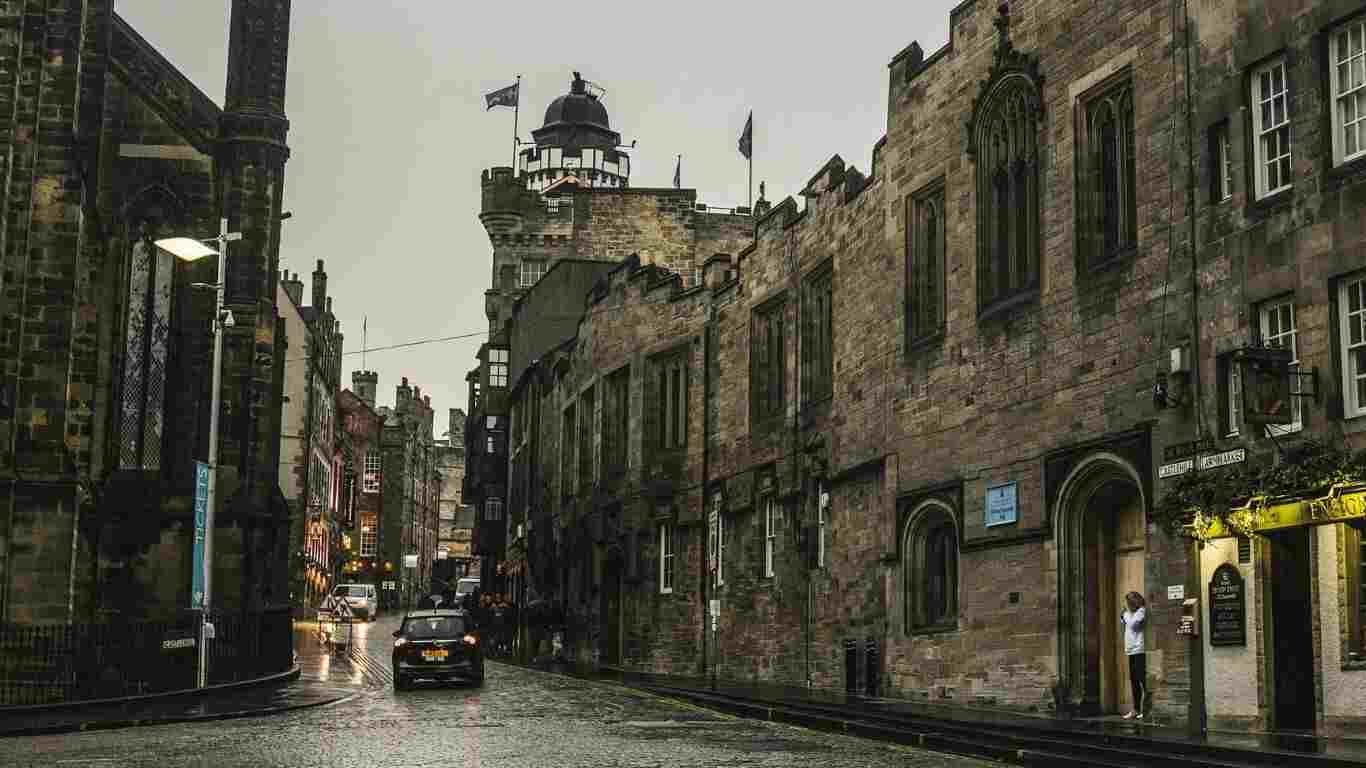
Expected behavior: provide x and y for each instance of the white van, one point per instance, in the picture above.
(362, 598)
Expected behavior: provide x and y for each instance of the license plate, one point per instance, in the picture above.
(436, 655)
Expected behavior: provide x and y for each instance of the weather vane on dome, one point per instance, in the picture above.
(594, 90)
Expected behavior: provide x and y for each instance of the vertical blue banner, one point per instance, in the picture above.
(201, 510)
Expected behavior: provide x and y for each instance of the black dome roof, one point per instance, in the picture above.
(577, 107)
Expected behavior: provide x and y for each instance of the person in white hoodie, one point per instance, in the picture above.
(1134, 619)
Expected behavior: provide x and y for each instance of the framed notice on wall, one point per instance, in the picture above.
(1001, 505)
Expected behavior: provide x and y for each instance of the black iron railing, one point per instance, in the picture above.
(53, 664)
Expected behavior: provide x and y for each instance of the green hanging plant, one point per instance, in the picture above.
(1197, 503)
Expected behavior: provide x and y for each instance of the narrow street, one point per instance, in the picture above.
(519, 718)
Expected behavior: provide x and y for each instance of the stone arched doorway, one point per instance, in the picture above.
(1101, 536)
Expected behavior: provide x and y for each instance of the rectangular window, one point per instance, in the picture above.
(372, 471)
(925, 262)
(1347, 52)
(671, 405)
(766, 356)
(1106, 155)
(818, 336)
(822, 512)
(1278, 330)
(1354, 562)
(369, 536)
(493, 509)
(587, 429)
(616, 424)
(493, 434)
(666, 559)
(1352, 321)
(720, 534)
(1271, 128)
(532, 270)
(567, 465)
(498, 367)
(770, 534)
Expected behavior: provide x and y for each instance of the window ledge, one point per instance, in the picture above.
(1271, 203)
(1347, 169)
(1354, 424)
(935, 629)
(1004, 306)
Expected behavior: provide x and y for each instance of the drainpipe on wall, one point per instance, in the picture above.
(1198, 714)
(706, 480)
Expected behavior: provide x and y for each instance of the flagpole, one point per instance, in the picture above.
(364, 340)
(751, 162)
(516, 106)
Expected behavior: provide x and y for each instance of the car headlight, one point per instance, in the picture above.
(471, 640)
(400, 642)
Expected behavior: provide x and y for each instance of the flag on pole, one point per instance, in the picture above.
(678, 173)
(747, 137)
(503, 97)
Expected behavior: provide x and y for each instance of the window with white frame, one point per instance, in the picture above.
(372, 471)
(1352, 321)
(720, 533)
(1271, 127)
(493, 509)
(369, 536)
(1223, 163)
(532, 270)
(770, 534)
(666, 559)
(1233, 416)
(1347, 72)
(1278, 330)
(498, 367)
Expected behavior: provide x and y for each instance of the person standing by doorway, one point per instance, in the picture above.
(1134, 619)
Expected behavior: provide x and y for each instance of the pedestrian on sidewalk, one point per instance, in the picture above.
(1134, 619)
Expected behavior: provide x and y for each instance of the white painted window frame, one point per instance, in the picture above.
(1224, 146)
(1262, 130)
(1353, 31)
(1235, 398)
(373, 468)
(770, 535)
(1265, 314)
(1352, 406)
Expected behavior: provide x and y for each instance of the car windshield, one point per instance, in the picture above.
(432, 627)
(351, 591)
(466, 587)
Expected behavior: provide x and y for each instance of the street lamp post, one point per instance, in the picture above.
(189, 249)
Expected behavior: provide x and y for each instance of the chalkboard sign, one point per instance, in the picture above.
(1227, 607)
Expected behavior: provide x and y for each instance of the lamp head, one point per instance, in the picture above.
(185, 248)
(228, 320)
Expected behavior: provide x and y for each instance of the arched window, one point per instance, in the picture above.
(1106, 207)
(930, 568)
(1004, 142)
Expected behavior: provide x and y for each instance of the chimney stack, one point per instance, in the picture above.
(319, 287)
(294, 288)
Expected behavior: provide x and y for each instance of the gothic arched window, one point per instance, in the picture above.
(1106, 207)
(1005, 142)
(930, 568)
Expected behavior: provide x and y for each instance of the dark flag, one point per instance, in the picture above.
(503, 97)
(747, 137)
(678, 173)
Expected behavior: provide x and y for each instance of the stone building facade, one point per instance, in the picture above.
(312, 461)
(411, 488)
(360, 430)
(105, 358)
(934, 408)
(455, 522)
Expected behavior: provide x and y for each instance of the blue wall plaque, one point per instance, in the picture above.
(1001, 506)
(201, 510)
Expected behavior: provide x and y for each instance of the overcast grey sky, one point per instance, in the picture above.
(388, 131)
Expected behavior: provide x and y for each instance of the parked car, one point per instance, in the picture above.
(466, 586)
(440, 644)
(363, 599)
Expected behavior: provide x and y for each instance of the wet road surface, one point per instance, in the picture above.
(518, 718)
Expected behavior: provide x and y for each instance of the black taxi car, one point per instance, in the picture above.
(437, 644)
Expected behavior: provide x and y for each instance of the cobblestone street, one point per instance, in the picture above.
(519, 718)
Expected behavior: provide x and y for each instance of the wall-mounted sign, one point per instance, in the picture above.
(1235, 456)
(410, 561)
(1266, 385)
(1001, 505)
(1188, 448)
(1176, 468)
(389, 585)
(1227, 607)
(201, 512)
(1176, 592)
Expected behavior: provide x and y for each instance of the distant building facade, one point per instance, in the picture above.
(455, 523)
(411, 490)
(361, 430)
